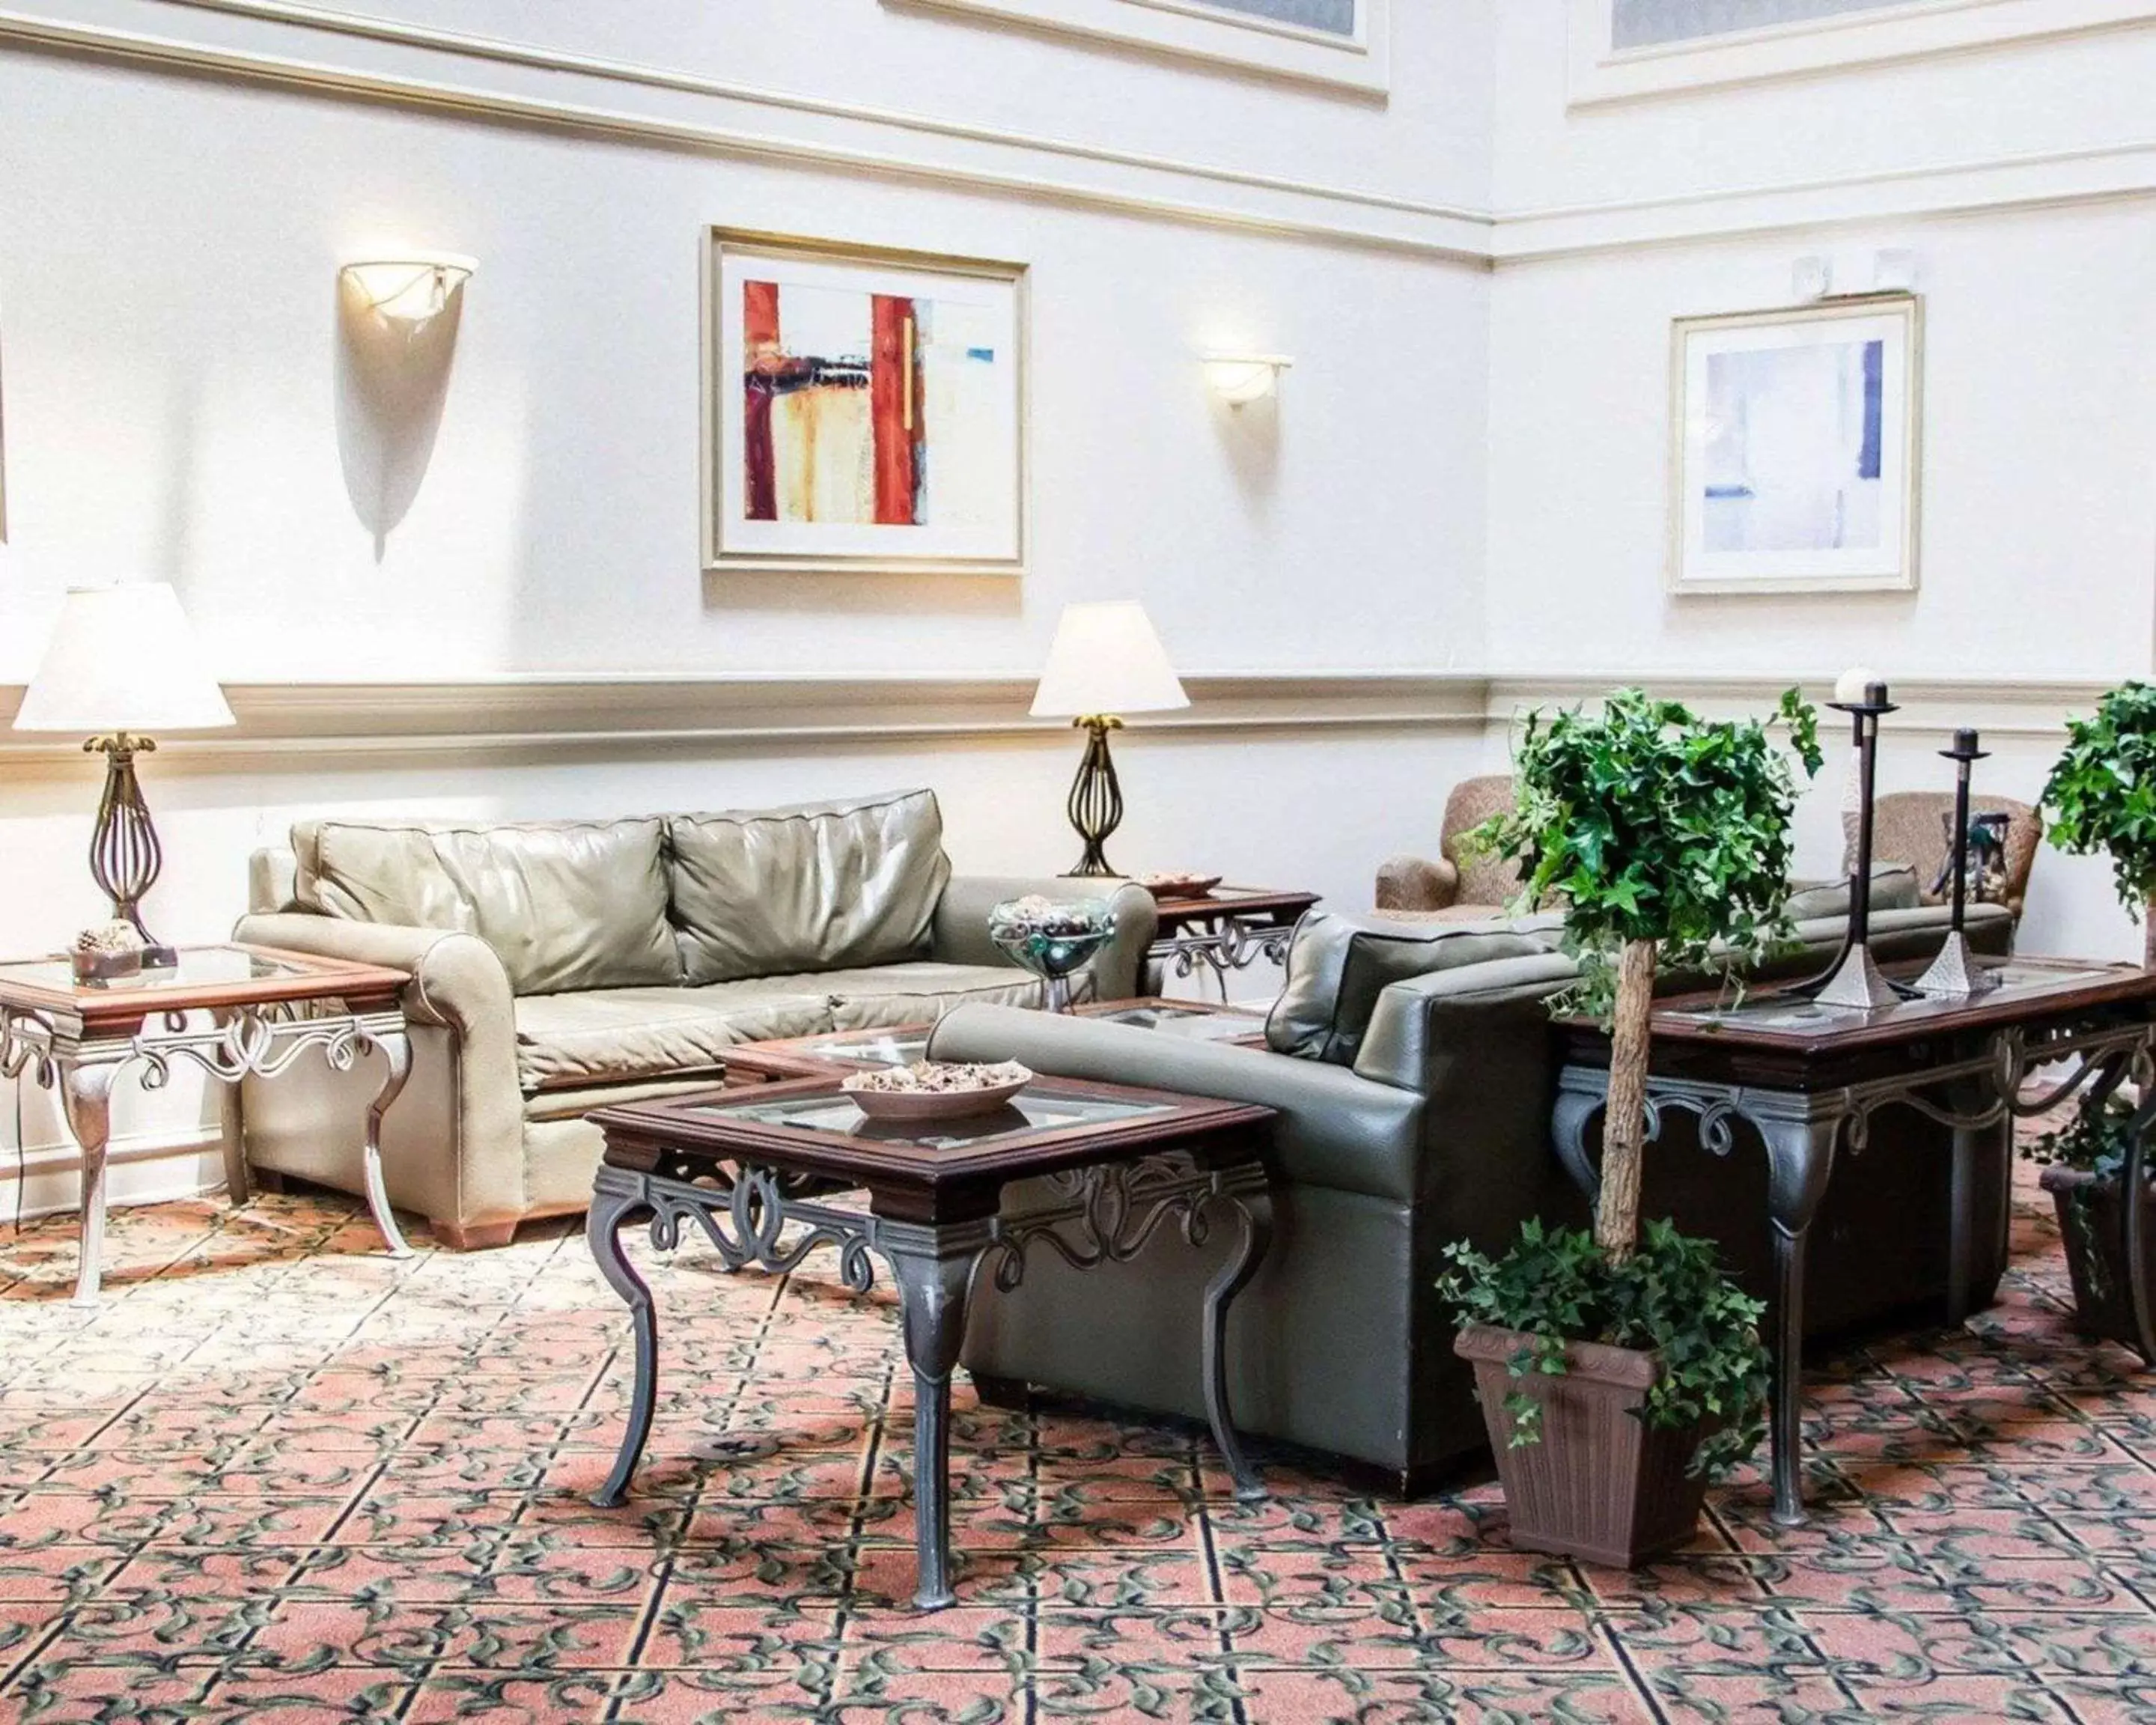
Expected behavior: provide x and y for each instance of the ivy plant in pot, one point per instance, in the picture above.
(2101, 796)
(2084, 1164)
(1617, 1371)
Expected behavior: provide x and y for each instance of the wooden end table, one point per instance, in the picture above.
(753, 1171)
(1807, 1079)
(1224, 931)
(265, 1009)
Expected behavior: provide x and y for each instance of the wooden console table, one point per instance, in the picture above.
(264, 1010)
(1807, 1079)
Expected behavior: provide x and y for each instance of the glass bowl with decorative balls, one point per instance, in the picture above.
(1052, 938)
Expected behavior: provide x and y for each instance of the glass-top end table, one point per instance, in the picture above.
(1781, 1011)
(231, 1011)
(1092, 1172)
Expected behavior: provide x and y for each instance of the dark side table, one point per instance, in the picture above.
(1805, 1081)
(755, 1171)
(1222, 932)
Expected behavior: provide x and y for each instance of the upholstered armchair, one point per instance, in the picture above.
(1910, 827)
(1460, 885)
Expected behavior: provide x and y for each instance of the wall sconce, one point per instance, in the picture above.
(1240, 378)
(411, 289)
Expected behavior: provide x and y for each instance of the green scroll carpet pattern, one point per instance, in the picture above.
(279, 1477)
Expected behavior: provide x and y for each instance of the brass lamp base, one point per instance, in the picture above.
(125, 855)
(1096, 807)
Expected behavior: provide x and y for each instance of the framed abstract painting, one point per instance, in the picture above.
(1795, 464)
(864, 410)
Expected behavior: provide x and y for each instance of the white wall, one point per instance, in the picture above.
(2038, 494)
(174, 409)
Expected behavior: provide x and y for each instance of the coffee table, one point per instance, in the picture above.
(755, 1171)
(265, 1009)
(1807, 1079)
(836, 1052)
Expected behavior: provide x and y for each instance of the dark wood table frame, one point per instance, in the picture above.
(77, 1040)
(757, 1192)
(1806, 1091)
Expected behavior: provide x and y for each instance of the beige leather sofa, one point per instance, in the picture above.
(560, 966)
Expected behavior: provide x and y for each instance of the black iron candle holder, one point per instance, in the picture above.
(1854, 979)
(1955, 974)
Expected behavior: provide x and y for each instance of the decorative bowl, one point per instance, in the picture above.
(938, 1091)
(1174, 886)
(1052, 938)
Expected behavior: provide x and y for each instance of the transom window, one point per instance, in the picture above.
(1643, 24)
(1333, 17)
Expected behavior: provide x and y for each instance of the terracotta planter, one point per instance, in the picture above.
(2090, 1220)
(1602, 1484)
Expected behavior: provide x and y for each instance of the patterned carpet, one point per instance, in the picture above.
(281, 1478)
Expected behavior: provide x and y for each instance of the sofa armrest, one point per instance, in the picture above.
(959, 934)
(1417, 883)
(1335, 1130)
(457, 981)
(1414, 1032)
(454, 1143)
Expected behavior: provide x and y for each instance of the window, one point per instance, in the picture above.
(1341, 43)
(1620, 50)
(1334, 18)
(1641, 23)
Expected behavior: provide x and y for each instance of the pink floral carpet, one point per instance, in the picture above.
(279, 1477)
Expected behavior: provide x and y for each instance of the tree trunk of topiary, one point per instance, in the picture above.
(1625, 1122)
(2148, 934)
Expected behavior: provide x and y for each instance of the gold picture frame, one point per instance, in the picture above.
(830, 462)
(1796, 449)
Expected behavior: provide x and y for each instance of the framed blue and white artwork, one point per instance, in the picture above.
(1794, 465)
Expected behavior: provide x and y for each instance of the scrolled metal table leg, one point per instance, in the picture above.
(933, 1267)
(1254, 1216)
(610, 1203)
(396, 1046)
(86, 1098)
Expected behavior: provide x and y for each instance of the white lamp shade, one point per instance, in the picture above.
(1105, 659)
(123, 658)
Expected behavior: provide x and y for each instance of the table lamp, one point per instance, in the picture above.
(1105, 661)
(121, 662)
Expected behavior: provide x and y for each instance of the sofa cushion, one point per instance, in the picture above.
(921, 991)
(824, 886)
(565, 905)
(625, 1035)
(1893, 888)
(1338, 965)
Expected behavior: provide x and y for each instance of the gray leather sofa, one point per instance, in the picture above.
(559, 967)
(1413, 1112)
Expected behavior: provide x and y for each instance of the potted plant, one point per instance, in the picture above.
(1617, 1374)
(2082, 1166)
(2101, 796)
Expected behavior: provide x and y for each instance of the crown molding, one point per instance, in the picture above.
(397, 65)
(545, 88)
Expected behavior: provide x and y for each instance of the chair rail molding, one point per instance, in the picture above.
(296, 724)
(300, 726)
